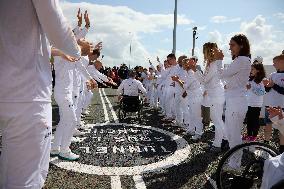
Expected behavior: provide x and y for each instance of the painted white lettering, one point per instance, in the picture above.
(115, 149)
(151, 148)
(101, 150)
(165, 150)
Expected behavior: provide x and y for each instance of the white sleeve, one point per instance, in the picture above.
(120, 88)
(93, 74)
(82, 33)
(141, 88)
(83, 69)
(56, 27)
(102, 76)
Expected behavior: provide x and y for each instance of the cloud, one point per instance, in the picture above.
(223, 19)
(280, 16)
(113, 24)
(265, 41)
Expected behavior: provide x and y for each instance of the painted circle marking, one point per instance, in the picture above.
(180, 155)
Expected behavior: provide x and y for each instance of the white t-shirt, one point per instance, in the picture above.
(235, 76)
(255, 94)
(273, 98)
(131, 87)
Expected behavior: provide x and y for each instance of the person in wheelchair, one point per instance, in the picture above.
(273, 176)
(128, 92)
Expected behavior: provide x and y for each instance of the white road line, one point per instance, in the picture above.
(104, 107)
(115, 119)
(115, 182)
(139, 182)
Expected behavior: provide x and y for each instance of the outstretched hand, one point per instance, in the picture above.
(99, 45)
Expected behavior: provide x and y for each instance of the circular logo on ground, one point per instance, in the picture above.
(126, 149)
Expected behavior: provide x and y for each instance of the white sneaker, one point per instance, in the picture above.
(54, 152)
(85, 112)
(78, 133)
(68, 156)
(196, 137)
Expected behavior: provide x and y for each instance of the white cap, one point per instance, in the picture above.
(259, 59)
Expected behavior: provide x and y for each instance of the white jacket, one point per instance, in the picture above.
(212, 84)
(25, 73)
(236, 76)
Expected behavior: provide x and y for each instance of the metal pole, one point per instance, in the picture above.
(193, 37)
(175, 28)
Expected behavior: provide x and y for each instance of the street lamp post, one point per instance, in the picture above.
(194, 37)
(175, 28)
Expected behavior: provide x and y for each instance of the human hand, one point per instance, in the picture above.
(87, 20)
(79, 16)
(275, 112)
(218, 54)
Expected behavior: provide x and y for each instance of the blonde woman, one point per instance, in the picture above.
(213, 95)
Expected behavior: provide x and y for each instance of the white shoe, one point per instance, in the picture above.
(78, 133)
(85, 112)
(68, 156)
(54, 152)
(196, 137)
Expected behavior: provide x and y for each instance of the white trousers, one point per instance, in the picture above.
(236, 108)
(178, 107)
(194, 106)
(216, 112)
(169, 102)
(67, 123)
(26, 137)
(273, 171)
(88, 99)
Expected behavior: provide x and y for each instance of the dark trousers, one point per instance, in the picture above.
(253, 120)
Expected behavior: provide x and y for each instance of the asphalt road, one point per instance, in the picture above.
(135, 154)
(108, 146)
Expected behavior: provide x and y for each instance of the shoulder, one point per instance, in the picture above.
(243, 59)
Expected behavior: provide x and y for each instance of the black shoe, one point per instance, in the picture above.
(225, 145)
(214, 149)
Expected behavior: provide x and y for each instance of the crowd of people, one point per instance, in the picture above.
(235, 93)
(177, 87)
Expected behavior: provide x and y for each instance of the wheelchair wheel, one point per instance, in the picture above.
(242, 166)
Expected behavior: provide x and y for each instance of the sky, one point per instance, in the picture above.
(147, 25)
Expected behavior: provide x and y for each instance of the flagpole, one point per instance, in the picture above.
(175, 28)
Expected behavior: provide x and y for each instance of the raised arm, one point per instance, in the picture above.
(56, 27)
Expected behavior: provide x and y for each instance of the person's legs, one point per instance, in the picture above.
(250, 121)
(26, 136)
(256, 122)
(196, 119)
(216, 112)
(236, 109)
(205, 115)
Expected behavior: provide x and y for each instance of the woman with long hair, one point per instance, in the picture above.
(235, 76)
(213, 95)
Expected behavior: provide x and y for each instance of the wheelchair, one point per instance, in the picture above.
(247, 170)
(130, 104)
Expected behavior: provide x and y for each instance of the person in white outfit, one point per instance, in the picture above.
(25, 82)
(213, 95)
(170, 108)
(255, 93)
(273, 171)
(131, 87)
(235, 76)
(192, 91)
